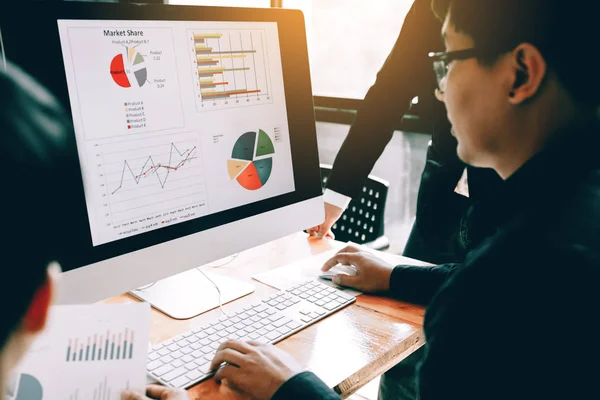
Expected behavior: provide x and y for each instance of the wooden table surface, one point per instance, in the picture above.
(347, 349)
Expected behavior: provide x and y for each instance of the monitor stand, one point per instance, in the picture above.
(190, 293)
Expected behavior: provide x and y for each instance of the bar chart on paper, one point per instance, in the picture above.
(106, 346)
(230, 68)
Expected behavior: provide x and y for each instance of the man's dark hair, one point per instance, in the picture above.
(563, 31)
(34, 135)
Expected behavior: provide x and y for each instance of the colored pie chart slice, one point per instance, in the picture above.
(263, 168)
(117, 71)
(249, 178)
(234, 167)
(243, 149)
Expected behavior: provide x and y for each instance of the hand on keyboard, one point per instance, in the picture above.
(157, 392)
(184, 360)
(254, 368)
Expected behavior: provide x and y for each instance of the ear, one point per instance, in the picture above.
(529, 70)
(36, 315)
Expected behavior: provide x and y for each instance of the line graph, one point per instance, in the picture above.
(147, 183)
(155, 167)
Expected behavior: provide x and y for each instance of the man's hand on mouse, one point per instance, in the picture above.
(256, 369)
(372, 273)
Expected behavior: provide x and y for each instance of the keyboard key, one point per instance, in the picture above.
(283, 330)
(200, 335)
(154, 364)
(306, 319)
(239, 326)
(269, 327)
(187, 359)
(205, 368)
(282, 322)
(256, 318)
(167, 342)
(251, 312)
(254, 335)
(275, 317)
(181, 382)
(205, 342)
(262, 332)
(244, 316)
(197, 354)
(173, 347)
(304, 312)
(235, 320)
(187, 334)
(222, 334)
(294, 325)
(320, 312)
(191, 366)
(162, 370)
(166, 359)
(260, 308)
(176, 373)
(231, 330)
(163, 351)
(218, 327)
(210, 331)
(312, 299)
(196, 346)
(153, 356)
(273, 335)
(332, 305)
(257, 325)
(187, 349)
(177, 354)
(320, 303)
(215, 338)
(295, 300)
(177, 363)
(194, 375)
(270, 312)
(280, 307)
(313, 315)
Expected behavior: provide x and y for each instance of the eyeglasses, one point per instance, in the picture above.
(441, 63)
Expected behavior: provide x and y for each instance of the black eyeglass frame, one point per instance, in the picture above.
(441, 62)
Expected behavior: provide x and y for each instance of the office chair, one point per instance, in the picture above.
(363, 220)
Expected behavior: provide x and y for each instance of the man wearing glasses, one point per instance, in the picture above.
(518, 319)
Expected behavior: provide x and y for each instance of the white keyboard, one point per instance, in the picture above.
(184, 360)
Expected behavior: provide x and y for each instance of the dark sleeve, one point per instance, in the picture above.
(419, 284)
(501, 327)
(305, 385)
(406, 73)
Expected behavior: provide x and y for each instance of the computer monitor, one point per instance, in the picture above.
(193, 129)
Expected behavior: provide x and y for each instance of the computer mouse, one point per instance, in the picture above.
(338, 269)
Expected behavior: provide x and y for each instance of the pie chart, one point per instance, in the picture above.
(251, 160)
(129, 67)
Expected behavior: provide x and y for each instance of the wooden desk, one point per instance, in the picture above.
(347, 349)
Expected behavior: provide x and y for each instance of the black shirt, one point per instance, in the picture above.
(518, 320)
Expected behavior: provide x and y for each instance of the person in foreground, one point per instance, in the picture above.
(34, 142)
(522, 97)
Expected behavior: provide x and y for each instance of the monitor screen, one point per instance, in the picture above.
(175, 120)
(185, 118)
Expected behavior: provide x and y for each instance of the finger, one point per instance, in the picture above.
(157, 391)
(313, 229)
(330, 235)
(346, 280)
(228, 356)
(129, 395)
(236, 345)
(342, 258)
(228, 372)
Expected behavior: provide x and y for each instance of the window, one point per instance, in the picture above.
(348, 41)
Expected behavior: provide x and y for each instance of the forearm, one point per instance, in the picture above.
(419, 284)
(305, 385)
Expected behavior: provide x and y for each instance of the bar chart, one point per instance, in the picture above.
(230, 68)
(107, 346)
